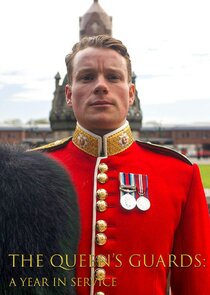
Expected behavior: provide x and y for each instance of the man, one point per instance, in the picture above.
(39, 225)
(143, 210)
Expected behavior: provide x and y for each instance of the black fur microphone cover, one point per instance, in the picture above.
(39, 218)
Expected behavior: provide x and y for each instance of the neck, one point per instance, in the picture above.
(103, 132)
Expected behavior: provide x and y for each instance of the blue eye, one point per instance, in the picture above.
(113, 77)
(87, 77)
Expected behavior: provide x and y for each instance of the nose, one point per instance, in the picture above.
(101, 86)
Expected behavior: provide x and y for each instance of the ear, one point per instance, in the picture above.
(68, 93)
(132, 92)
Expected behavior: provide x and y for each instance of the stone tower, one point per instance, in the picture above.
(94, 22)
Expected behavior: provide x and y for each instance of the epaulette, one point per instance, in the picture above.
(52, 146)
(164, 150)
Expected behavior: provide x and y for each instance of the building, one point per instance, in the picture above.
(191, 140)
(31, 135)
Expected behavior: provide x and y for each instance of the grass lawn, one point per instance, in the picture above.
(205, 174)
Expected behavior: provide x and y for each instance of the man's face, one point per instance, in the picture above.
(100, 93)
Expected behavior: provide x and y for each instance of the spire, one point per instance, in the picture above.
(57, 79)
(95, 21)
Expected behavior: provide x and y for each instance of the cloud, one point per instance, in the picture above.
(167, 40)
(177, 111)
(12, 73)
(22, 85)
(9, 91)
(151, 76)
(24, 110)
(202, 54)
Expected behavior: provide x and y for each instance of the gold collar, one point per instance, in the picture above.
(110, 144)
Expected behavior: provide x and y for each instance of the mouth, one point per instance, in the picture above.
(101, 103)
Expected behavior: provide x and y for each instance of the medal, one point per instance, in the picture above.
(127, 201)
(134, 191)
(127, 191)
(143, 203)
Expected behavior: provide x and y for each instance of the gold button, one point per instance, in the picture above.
(102, 177)
(100, 274)
(101, 260)
(99, 293)
(101, 206)
(101, 194)
(101, 226)
(102, 167)
(101, 239)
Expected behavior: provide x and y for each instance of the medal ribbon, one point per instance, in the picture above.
(141, 182)
(127, 183)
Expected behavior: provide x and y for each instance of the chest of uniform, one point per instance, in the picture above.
(98, 182)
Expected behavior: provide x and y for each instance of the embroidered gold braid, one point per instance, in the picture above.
(54, 144)
(115, 143)
(90, 145)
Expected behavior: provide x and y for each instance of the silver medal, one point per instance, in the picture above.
(143, 203)
(127, 201)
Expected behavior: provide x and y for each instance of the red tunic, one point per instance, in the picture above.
(140, 247)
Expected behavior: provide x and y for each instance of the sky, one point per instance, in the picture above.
(168, 41)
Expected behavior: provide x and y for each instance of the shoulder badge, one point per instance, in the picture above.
(51, 146)
(164, 150)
